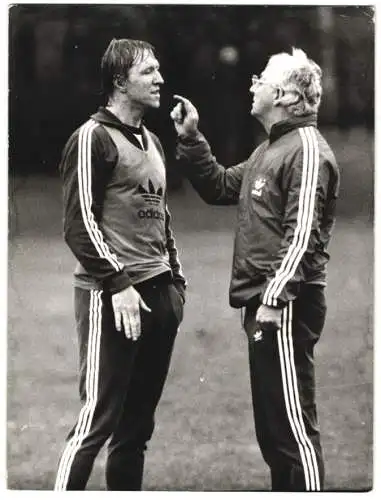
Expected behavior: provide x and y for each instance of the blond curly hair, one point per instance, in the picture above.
(300, 79)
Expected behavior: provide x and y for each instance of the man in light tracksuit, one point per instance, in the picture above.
(129, 287)
(286, 193)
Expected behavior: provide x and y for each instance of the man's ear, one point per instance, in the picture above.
(120, 83)
(279, 96)
(285, 99)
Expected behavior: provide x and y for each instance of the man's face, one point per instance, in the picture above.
(264, 90)
(143, 82)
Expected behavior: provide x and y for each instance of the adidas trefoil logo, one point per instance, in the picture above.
(258, 336)
(258, 186)
(151, 196)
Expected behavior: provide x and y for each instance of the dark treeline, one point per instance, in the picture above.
(207, 53)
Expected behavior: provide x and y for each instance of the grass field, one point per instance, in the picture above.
(204, 439)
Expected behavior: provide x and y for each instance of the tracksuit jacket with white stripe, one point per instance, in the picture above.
(286, 193)
(116, 220)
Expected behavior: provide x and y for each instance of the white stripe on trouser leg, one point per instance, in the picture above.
(293, 408)
(91, 381)
(306, 440)
(293, 395)
(288, 400)
(84, 413)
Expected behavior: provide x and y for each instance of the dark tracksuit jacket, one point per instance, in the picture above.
(286, 193)
(117, 224)
(115, 248)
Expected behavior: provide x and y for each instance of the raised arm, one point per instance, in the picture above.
(214, 183)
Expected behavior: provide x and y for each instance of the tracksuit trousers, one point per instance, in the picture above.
(282, 377)
(120, 385)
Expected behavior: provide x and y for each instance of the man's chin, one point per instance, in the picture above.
(155, 104)
(256, 112)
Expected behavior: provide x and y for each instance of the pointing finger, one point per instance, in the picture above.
(180, 98)
(188, 105)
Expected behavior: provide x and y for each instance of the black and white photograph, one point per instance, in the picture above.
(190, 247)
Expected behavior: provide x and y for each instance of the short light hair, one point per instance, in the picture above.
(120, 55)
(300, 79)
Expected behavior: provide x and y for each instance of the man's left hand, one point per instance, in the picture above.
(269, 318)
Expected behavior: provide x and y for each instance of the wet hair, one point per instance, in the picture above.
(300, 81)
(120, 55)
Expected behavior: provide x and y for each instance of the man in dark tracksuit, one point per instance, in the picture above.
(286, 193)
(129, 287)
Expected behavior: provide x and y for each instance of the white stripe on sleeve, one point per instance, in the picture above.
(310, 171)
(85, 195)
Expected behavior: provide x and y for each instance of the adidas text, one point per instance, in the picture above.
(150, 213)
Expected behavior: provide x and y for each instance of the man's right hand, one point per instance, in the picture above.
(126, 305)
(185, 117)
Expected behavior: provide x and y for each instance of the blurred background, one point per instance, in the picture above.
(207, 53)
(205, 437)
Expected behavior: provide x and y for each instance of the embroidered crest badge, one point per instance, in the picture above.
(258, 186)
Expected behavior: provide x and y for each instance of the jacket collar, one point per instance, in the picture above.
(103, 115)
(281, 128)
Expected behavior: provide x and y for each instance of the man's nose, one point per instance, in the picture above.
(158, 77)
